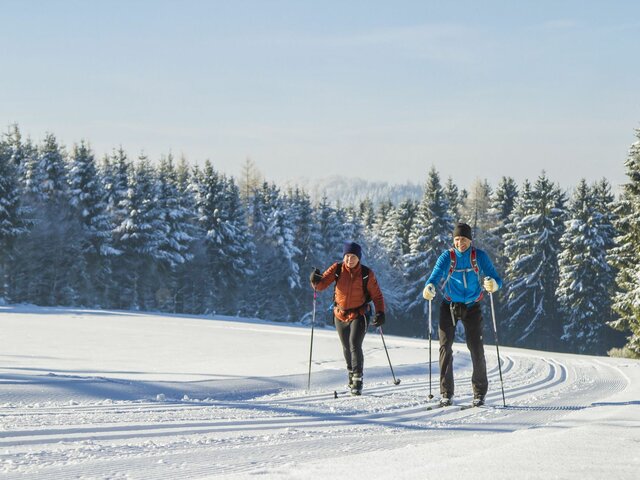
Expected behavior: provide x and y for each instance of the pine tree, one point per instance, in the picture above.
(626, 256)
(605, 204)
(532, 246)
(18, 150)
(366, 213)
(138, 235)
(227, 246)
(429, 237)
(306, 237)
(502, 205)
(276, 253)
(176, 221)
(584, 274)
(116, 174)
(48, 255)
(504, 198)
(87, 198)
(329, 231)
(406, 214)
(52, 170)
(241, 250)
(183, 180)
(306, 233)
(13, 222)
(455, 199)
(388, 234)
(351, 227)
(383, 254)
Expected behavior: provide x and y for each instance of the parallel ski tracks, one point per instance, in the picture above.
(538, 390)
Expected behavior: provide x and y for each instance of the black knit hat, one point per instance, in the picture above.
(462, 230)
(352, 247)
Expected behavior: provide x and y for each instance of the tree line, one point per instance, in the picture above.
(119, 233)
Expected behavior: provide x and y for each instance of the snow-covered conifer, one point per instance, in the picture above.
(13, 223)
(429, 237)
(366, 213)
(276, 253)
(87, 199)
(625, 257)
(585, 277)
(455, 199)
(138, 234)
(52, 170)
(330, 236)
(227, 247)
(532, 247)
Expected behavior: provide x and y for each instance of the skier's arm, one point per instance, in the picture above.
(328, 277)
(487, 268)
(375, 292)
(440, 270)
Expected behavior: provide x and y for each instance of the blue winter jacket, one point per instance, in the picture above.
(464, 285)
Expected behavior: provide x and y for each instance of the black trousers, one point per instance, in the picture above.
(351, 337)
(471, 317)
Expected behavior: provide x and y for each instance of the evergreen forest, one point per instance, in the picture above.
(163, 235)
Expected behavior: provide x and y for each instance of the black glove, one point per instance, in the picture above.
(379, 320)
(315, 277)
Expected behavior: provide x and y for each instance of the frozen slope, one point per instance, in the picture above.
(93, 394)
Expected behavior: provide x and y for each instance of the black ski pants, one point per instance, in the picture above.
(471, 316)
(351, 337)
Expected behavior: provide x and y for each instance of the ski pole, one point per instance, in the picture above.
(313, 323)
(395, 381)
(430, 394)
(495, 334)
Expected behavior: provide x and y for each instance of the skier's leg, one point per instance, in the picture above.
(356, 338)
(473, 325)
(344, 329)
(446, 334)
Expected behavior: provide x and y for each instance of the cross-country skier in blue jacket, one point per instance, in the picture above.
(458, 271)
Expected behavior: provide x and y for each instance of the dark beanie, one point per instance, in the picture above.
(462, 230)
(352, 247)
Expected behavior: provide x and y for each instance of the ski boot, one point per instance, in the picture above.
(350, 382)
(446, 401)
(356, 389)
(478, 400)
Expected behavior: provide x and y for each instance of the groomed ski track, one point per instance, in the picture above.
(64, 425)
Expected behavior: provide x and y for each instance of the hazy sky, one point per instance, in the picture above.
(381, 90)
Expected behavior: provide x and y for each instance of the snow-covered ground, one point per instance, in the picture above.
(103, 394)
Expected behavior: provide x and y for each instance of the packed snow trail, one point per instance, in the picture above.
(117, 395)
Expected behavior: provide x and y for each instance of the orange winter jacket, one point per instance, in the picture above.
(349, 295)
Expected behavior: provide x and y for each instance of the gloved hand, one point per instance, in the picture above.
(490, 285)
(378, 321)
(429, 292)
(315, 277)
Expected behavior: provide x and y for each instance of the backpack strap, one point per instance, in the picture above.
(474, 261)
(365, 281)
(337, 276)
(338, 271)
(474, 265)
(452, 268)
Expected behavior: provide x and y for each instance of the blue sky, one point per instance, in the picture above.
(379, 90)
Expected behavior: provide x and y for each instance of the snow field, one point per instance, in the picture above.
(87, 394)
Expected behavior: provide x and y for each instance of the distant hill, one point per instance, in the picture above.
(351, 191)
